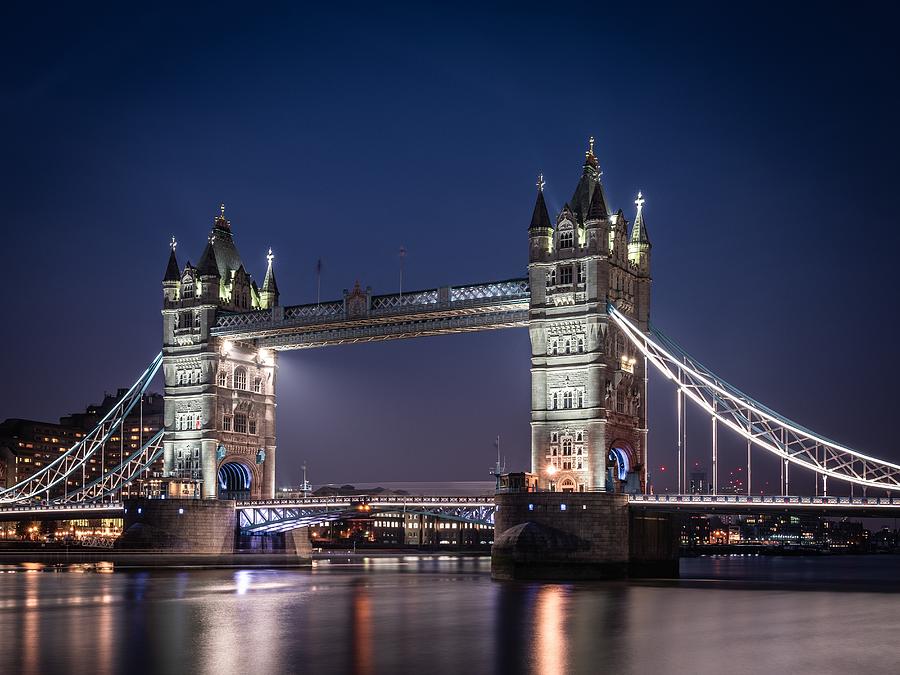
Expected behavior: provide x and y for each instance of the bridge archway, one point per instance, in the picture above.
(620, 468)
(235, 480)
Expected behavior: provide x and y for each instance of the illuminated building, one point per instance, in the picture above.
(26, 446)
(588, 385)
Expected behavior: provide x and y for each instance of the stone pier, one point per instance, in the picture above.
(579, 535)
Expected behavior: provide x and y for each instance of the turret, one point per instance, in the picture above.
(268, 296)
(540, 231)
(171, 279)
(639, 244)
(208, 272)
(596, 223)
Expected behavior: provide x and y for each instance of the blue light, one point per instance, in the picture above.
(180, 511)
(562, 507)
(140, 510)
(531, 507)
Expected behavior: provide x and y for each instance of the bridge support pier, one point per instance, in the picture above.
(179, 526)
(579, 535)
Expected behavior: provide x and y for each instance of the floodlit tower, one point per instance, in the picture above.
(588, 386)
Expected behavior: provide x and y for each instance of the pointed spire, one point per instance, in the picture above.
(220, 222)
(172, 271)
(540, 219)
(269, 285)
(597, 210)
(639, 231)
(208, 265)
(587, 184)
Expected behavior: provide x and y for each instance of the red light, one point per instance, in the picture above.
(662, 468)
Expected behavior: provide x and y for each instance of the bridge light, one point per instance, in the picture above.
(226, 346)
(551, 470)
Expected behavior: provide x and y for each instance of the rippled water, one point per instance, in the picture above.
(399, 615)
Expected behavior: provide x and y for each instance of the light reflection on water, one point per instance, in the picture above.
(446, 616)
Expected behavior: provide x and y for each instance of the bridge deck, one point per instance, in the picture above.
(370, 318)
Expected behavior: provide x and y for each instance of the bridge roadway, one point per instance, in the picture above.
(280, 514)
(362, 317)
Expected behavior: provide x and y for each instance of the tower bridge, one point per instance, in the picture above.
(586, 305)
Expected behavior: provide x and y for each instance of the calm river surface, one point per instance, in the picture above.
(445, 615)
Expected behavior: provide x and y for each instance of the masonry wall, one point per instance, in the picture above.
(179, 526)
(567, 536)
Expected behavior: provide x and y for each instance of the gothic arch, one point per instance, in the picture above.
(622, 457)
(234, 476)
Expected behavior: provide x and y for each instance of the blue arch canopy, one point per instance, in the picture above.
(234, 477)
(623, 463)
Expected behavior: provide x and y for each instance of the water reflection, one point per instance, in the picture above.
(550, 630)
(447, 616)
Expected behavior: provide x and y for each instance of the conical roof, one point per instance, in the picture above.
(208, 265)
(540, 219)
(597, 210)
(269, 284)
(639, 231)
(172, 271)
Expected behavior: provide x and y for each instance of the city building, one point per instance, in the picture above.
(26, 446)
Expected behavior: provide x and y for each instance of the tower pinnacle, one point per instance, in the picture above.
(540, 183)
(173, 243)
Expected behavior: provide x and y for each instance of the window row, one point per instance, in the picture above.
(564, 273)
(568, 449)
(239, 423)
(554, 436)
(191, 376)
(567, 400)
(567, 345)
(567, 464)
(239, 379)
(187, 421)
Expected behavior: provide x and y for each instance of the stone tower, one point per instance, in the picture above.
(219, 395)
(588, 384)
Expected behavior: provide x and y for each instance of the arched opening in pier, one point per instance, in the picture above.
(235, 480)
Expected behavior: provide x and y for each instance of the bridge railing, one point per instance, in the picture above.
(453, 297)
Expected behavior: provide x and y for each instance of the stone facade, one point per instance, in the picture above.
(219, 395)
(588, 384)
(178, 526)
(548, 535)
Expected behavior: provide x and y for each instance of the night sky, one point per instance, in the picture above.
(765, 143)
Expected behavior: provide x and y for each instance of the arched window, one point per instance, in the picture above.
(251, 425)
(196, 319)
(240, 378)
(257, 385)
(551, 277)
(222, 378)
(555, 401)
(580, 399)
(175, 322)
(567, 446)
(568, 346)
(566, 239)
(580, 345)
(567, 400)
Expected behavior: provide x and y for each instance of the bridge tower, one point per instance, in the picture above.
(588, 385)
(219, 394)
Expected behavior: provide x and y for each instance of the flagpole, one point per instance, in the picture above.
(318, 282)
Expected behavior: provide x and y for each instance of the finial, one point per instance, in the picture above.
(639, 202)
(591, 145)
(540, 183)
(173, 243)
(270, 257)
(222, 209)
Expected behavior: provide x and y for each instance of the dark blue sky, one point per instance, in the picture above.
(765, 142)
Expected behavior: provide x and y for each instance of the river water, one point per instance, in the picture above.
(444, 615)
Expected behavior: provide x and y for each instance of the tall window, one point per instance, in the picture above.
(222, 378)
(240, 423)
(565, 275)
(582, 273)
(196, 319)
(567, 400)
(567, 447)
(580, 345)
(257, 385)
(252, 425)
(226, 422)
(551, 277)
(240, 378)
(555, 401)
(566, 239)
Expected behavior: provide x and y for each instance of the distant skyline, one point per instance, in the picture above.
(764, 141)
